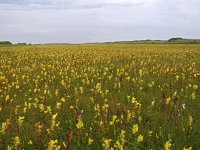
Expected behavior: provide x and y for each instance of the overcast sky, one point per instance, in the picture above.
(79, 21)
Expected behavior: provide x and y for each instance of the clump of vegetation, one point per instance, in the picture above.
(175, 39)
(5, 43)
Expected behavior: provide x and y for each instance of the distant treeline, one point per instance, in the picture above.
(5, 42)
(8, 43)
(184, 41)
(177, 40)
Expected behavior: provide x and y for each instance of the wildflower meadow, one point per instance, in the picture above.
(100, 96)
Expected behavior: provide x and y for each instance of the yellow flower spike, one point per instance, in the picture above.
(9, 148)
(101, 123)
(90, 141)
(193, 96)
(48, 109)
(53, 122)
(129, 115)
(140, 119)
(62, 82)
(63, 99)
(16, 142)
(65, 145)
(54, 116)
(190, 148)
(48, 131)
(106, 143)
(25, 109)
(81, 90)
(41, 106)
(150, 133)
(140, 138)
(20, 120)
(80, 124)
(135, 128)
(71, 107)
(4, 126)
(17, 86)
(140, 72)
(58, 105)
(53, 145)
(195, 87)
(152, 103)
(168, 100)
(30, 142)
(98, 87)
(113, 120)
(190, 120)
(168, 145)
(133, 100)
(7, 97)
(177, 77)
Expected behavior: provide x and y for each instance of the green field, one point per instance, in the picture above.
(100, 96)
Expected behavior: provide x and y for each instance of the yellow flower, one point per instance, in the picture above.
(48, 109)
(168, 145)
(20, 120)
(30, 142)
(52, 145)
(168, 100)
(65, 145)
(9, 148)
(54, 116)
(193, 95)
(113, 120)
(135, 128)
(106, 143)
(190, 120)
(16, 142)
(71, 107)
(62, 82)
(195, 87)
(81, 90)
(41, 106)
(79, 125)
(150, 133)
(133, 100)
(129, 115)
(140, 138)
(101, 123)
(63, 99)
(140, 72)
(53, 122)
(177, 77)
(7, 97)
(152, 103)
(98, 87)
(90, 141)
(4, 126)
(140, 119)
(17, 86)
(190, 148)
(58, 105)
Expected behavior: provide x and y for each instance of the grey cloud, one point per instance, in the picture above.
(66, 4)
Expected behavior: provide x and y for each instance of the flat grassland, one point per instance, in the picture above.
(100, 96)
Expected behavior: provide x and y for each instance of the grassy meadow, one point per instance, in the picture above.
(100, 96)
